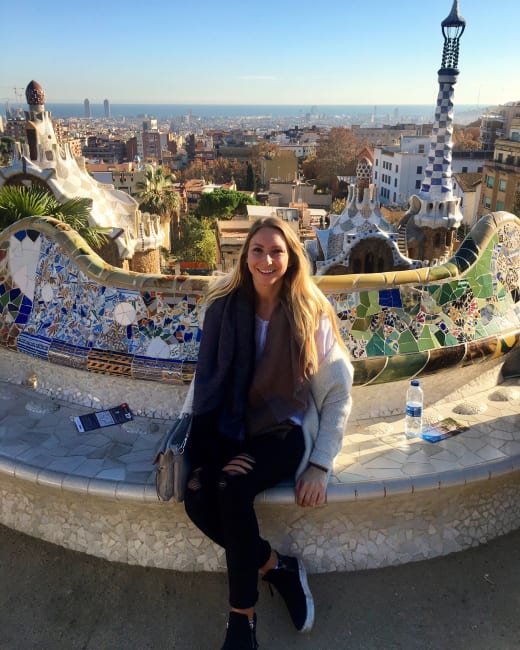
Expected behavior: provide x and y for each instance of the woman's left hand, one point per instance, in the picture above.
(310, 487)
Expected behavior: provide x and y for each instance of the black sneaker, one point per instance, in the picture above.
(241, 633)
(290, 580)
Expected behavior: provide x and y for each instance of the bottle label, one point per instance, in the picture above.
(413, 410)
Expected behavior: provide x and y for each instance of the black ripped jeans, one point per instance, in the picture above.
(221, 504)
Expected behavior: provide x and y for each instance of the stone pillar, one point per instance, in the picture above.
(146, 262)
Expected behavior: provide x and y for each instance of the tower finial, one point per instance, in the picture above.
(452, 29)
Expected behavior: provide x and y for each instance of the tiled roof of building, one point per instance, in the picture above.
(468, 181)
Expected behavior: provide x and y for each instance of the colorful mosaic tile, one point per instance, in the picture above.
(57, 306)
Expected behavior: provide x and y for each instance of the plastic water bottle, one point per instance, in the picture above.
(414, 410)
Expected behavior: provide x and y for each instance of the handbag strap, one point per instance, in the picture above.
(187, 407)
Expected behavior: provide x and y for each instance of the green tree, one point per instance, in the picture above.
(6, 150)
(156, 194)
(197, 242)
(223, 204)
(17, 202)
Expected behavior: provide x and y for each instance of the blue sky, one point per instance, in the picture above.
(270, 52)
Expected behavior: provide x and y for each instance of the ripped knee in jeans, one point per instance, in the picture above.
(240, 465)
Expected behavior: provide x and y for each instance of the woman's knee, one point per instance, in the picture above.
(236, 480)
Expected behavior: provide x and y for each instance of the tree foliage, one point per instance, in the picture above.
(466, 139)
(18, 202)
(6, 150)
(218, 171)
(336, 154)
(223, 204)
(197, 241)
(156, 194)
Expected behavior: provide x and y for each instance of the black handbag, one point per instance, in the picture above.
(171, 463)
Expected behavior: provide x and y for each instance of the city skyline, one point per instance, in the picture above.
(283, 53)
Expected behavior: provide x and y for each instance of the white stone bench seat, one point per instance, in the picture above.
(115, 462)
(388, 501)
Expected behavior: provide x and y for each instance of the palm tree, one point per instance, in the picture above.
(18, 201)
(158, 196)
(152, 190)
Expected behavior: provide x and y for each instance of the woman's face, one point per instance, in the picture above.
(267, 259)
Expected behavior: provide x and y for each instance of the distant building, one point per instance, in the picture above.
(398, 172)
(501, 186)
(286, 193)
(104, 150)
(496, 124)
(388, 136)
(86, 107)
(106, 108)
(467, 187)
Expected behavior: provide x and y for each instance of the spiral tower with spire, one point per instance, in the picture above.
(435, 210)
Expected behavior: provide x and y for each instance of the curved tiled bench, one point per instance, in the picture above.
(66, 317)
(389, 502)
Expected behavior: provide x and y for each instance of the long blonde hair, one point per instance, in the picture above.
(305, 300)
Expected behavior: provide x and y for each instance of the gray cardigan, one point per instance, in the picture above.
(326, 416)
(325, 419)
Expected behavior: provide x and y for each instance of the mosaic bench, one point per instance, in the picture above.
(92, 336)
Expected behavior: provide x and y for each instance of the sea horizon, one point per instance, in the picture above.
(394, 112)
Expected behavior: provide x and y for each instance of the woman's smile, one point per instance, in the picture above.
(267, 259)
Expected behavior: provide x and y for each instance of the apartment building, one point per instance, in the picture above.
(496, 123)
(501, 186)
(467, 187)
(398, 171)
(389, 135)
(104, 150)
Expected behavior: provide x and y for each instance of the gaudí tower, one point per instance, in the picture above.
(435, 211)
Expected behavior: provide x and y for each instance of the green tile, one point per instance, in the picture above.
(402, 366)
(408, 343)
(485, 283)
(446, 294)
(376, 346)
(361, 324)
(427, 341)
(366, 370)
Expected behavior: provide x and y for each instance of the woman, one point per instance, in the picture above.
(271, 402)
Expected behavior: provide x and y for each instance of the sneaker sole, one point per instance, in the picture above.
(309, 600)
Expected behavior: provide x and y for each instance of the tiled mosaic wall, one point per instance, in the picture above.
(61, 303)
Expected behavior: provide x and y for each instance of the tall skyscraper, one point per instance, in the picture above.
(86, 105)
(106, 107)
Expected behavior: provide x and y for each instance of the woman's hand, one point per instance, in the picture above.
(310, 487)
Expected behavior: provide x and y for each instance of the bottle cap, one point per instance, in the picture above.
(415, 382)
